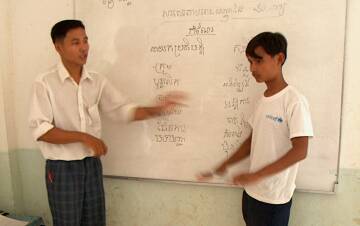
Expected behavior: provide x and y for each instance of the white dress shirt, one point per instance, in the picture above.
(58, 101)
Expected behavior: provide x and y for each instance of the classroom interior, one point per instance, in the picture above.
(23, 26)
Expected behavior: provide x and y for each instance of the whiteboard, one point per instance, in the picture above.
(147, 48)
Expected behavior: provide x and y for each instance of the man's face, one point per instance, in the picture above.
(74, 48)
(265, 67)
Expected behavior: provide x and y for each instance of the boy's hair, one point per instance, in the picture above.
(60, 29)
(272, 43)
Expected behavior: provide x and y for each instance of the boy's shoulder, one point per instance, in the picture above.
(293, 95)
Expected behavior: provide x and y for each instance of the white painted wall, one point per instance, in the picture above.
(33, 53)
(25, 51)
(350, 147)
(4, 68)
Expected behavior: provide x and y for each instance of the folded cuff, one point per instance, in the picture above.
(42, 129)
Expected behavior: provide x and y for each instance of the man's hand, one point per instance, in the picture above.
(246, 179)
(97, 145)
(171, 100)
(164, 106)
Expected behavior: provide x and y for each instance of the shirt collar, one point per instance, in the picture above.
(64, 74)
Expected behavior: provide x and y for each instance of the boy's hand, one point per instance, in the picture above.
(245, 179)
(206, 176)
(97, 145)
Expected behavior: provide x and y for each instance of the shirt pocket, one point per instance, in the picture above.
(94, 116)
(94, 119)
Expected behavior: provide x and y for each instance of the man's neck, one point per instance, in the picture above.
(74, 70)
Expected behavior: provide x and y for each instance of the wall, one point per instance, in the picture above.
(6, 189)
(23, 39)
(350, 157)
(147, 203)
(4, 39)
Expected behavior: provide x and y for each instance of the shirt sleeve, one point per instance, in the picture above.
(251, 120)
(41, 114)
(300, 120)
(114, 104)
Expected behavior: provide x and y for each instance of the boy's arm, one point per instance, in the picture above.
(59, 136)
(242, 152)
(297, 153)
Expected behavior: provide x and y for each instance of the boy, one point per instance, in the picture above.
(281, 126)
(64, 118)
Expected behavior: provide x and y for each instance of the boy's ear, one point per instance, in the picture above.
(281, 58)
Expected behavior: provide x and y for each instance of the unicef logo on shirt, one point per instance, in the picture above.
(275, 118)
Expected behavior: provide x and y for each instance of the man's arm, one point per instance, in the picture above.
(142, 113)
(297, 153)
(241, 153)
(169, 102)
(59, 136)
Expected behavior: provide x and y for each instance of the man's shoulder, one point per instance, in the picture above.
(47, 74)
(96, 75)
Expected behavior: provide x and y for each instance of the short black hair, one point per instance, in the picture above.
(272, 42)
(60, 29)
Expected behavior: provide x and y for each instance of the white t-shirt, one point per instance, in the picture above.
(276, 120)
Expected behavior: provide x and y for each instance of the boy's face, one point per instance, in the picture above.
(265, 68)
(74, 48)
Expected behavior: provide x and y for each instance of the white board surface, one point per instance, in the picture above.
(147, 48)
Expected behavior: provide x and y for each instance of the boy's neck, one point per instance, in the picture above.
(275, 86)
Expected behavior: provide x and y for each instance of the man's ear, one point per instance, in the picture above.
(58, 46)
